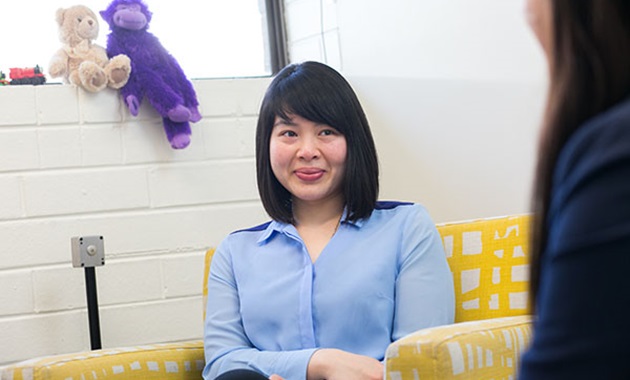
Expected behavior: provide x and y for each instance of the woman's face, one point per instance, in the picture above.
(538, 13)
(308, 158)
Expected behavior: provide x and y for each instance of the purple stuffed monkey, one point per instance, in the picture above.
(154, 72)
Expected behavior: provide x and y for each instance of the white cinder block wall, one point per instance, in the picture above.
(77, 164)
(313, 31)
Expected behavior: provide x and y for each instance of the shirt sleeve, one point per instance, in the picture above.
(226, 344)
(582, 329)
(425, 295)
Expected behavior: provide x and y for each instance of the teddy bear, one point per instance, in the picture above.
(82, 62)
(155, 74)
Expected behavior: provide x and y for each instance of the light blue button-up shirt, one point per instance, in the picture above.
(270, 307)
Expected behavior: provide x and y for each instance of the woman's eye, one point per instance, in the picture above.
(289, 134)
(328, 132)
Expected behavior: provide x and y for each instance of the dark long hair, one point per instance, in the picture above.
(320, 94)
(589, 73)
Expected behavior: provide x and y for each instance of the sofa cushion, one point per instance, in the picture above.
(490, 265)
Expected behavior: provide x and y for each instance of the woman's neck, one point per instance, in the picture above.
(317, 223)
(313, 214)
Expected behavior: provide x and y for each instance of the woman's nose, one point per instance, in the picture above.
(308, 149)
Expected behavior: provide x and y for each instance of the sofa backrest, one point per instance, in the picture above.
(490, 264)
(489, 259)
(206, 273)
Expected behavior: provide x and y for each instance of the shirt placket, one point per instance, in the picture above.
(307, 330)
(305, 308)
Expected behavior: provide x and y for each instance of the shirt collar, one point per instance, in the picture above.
(276, 227)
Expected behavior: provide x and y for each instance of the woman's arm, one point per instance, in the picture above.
(225, 342)
(425, 295)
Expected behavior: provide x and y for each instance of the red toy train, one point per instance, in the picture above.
(29, 75)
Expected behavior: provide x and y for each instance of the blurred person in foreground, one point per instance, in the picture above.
(581, 241)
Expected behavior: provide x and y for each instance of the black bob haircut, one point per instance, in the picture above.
(320, 94)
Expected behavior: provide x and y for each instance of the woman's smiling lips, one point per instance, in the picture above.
(309, 174)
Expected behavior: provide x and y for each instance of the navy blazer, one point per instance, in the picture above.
(582, 329)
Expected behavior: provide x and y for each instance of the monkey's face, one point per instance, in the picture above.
(129, 16)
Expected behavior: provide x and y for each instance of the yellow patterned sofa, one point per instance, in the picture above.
(489, 262)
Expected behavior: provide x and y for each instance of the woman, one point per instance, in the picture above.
(581, 247)
(321, 290)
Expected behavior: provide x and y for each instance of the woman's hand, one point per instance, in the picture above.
(275, 377)
(333, 364)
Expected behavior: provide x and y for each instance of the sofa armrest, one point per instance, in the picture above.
(183, 360)
(470, 350)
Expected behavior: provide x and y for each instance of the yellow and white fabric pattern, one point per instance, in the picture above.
(490, 266)
(474, 350)
(183, 361)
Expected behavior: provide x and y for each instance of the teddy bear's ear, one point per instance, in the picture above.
(59, 16)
